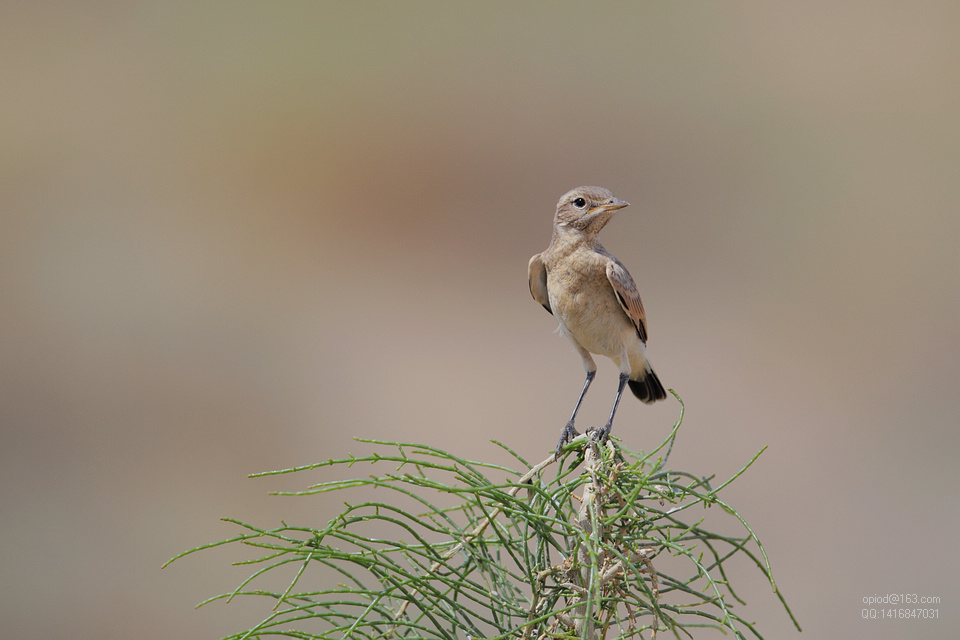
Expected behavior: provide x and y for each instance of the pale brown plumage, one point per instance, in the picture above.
(594, 298)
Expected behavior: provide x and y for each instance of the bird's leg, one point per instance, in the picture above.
(600, 435)
(569, 431)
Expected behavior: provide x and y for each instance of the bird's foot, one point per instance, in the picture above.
(568, 434)
(599, 434)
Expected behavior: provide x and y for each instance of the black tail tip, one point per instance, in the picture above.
(648, 388)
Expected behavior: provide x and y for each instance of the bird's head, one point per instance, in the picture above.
(587, 209)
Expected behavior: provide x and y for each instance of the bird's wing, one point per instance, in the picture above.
(538, 282)
(626, 291)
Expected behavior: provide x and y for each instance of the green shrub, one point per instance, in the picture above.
(615, 548)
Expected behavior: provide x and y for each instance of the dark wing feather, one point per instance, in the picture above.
(626, 290)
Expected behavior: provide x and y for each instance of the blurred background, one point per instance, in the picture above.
(236, 236)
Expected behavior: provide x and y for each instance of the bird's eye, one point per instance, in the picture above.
(579, 203)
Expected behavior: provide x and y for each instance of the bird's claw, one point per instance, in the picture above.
(567, 435)
(599, 434)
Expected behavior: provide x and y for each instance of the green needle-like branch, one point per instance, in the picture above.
(613, 545)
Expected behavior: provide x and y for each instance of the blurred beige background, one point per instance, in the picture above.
(235, 236)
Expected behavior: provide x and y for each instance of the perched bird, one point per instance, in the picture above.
(594, 298)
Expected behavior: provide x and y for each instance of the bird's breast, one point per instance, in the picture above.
(584, 303)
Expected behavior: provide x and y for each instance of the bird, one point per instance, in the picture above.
(595, 300)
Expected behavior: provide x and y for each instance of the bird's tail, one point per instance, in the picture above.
(647, 387)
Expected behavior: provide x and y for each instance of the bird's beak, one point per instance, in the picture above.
(611, 206)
